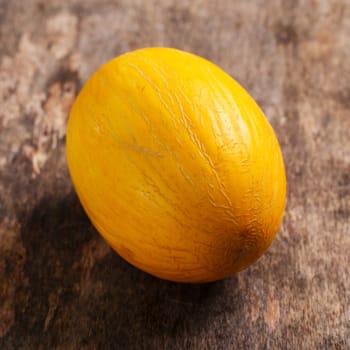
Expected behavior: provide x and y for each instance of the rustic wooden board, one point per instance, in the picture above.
(61, 287)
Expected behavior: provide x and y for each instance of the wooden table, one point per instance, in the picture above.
(61, 286)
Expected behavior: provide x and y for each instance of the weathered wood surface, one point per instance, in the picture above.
(61, 287)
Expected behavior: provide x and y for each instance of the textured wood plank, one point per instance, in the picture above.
(62, 287)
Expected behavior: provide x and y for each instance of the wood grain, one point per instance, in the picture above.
(61, 286)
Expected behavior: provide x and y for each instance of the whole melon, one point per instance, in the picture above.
(176, 165)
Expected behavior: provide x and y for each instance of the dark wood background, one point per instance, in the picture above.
(61, 286)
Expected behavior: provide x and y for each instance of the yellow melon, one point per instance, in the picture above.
(176, 165)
